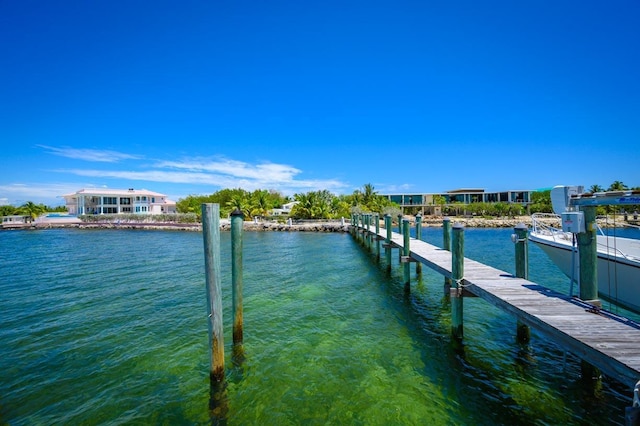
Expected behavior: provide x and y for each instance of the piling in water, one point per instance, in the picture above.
(211, 235)
(406, 253)
(237, 220)
(387, 240)
(457, 274)
(446, 244)
(418, 237)
(523, 333)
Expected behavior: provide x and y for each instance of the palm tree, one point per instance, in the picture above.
(239, 202)
(32, 209)
(618, 186)
(368, 193)
(260, 203)
(595, 188)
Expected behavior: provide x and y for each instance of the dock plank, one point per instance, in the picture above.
(610, 343)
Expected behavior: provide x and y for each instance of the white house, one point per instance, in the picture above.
(117, 201)
(285, 210)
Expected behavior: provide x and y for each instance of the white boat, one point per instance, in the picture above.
(618, 265)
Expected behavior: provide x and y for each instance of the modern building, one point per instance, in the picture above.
(118, 201)
(434, 203)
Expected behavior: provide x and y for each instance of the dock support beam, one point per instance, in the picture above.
(588, 255)
(211, 235)
(237, 220)
(406, 233)
(457, 274)
(523, 333)
(387, 240)
(446, 244)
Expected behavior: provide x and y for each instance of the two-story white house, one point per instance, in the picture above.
(118, 201)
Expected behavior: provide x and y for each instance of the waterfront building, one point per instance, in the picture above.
(285, 210)
(118, 201)
(16, 221)
(434, 203)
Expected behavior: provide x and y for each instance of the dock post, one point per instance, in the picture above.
(237, 220)
(400, 224)
(419, 238)
(387, 240)
(457, 274)
(588, 256)
(369, 234)
(523, 333)
(406, 233)
(365, 218)
(446, 243)
(211, 235)
(376, 218)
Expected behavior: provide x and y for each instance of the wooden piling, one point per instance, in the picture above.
(418, 237)
(457, 274)
(387, 240)
(523, 332)
(588, 255)
(211, 236)
(406, 233)
(237, 220)
(376, 218)
(446, 244)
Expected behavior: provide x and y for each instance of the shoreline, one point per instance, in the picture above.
(304, 226)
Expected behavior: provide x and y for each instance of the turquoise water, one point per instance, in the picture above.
(110, 327)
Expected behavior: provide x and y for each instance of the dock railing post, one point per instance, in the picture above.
(419, 238)
(376, 218)
(406, 233)
(457, 275)
(387, 240)
(366, 231)
(237, 220)
(446, 243)
(588, 256)
(523, 333)
(369, 234)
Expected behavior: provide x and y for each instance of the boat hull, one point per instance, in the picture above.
(618, 277)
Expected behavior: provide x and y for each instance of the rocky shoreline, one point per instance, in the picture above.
(303, 226)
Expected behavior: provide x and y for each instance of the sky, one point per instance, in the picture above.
(190, 97)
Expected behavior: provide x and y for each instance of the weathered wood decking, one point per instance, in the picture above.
(607, 342)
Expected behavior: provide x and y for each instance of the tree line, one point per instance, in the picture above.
(321, 204)
(30, 209)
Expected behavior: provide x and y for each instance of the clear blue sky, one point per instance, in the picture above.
(191, 97)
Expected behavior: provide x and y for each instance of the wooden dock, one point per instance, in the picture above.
(610, 343)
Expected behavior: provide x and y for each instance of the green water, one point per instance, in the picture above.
(110, 327)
